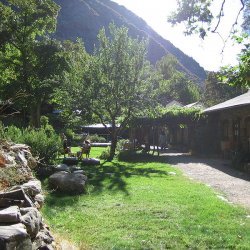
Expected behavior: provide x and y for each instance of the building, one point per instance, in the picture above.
(230, 121)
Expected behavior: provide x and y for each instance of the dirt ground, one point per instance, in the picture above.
(231, 184)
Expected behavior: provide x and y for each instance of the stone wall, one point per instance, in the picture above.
(21, 224)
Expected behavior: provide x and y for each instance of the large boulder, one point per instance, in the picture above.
(14, 237)
(70, 160)
(90, 161)
(68, 182)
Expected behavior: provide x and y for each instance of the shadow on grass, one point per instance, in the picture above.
(111, 176)
(114, 175)
(137, 156)
(57, 199)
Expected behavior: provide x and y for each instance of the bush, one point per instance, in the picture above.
(105, 154)
(44, 142)
(69, 134)
(120, 144)
(96, 138)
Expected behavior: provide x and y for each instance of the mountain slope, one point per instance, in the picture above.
(84, 19)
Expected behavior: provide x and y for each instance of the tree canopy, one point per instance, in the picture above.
(198, 16)
(29, 62)
(115, 84)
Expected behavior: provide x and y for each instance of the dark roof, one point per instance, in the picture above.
(237, 101)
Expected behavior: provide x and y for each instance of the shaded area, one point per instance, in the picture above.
(225, 166)
(113, 175)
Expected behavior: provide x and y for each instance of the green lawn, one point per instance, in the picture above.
(140, 205)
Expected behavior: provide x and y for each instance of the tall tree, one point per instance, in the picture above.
(73, 95)
(23, 25)
(119, 80)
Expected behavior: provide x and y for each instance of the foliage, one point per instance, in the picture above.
(30, 62)
(70, 134)
(44, 142)
(239, 75)
(96, 138)
(120, 144)
(216, 91)
(117, 82)
(198, 16)
(174, 84)
(72, 96)
(105, 154)
(192, 13)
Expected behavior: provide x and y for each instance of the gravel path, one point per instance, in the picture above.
(233, 185)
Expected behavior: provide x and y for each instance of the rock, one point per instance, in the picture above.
(45, 171)
(32, 219)
(62, 167)
(5, 202)
(2, 160)
(18, 147)
(21, 158)
(39, 198)
(74, 168)
(91, 161)
(65, 167)
(67, 182)
(18, 194)
(79, 172)
(10, 215)
(70, 160)
(14, 237)
(43, 239)
(32, 187)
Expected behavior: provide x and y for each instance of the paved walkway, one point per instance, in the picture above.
(232, 184)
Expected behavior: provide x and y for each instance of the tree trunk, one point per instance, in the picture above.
(113, 144)
(35, 114)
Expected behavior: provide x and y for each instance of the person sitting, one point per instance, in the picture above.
(85, 149)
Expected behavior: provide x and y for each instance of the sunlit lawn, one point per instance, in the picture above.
(142, 205)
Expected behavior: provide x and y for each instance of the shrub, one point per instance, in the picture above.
(44, 142)
(70, 134)
(78, 139)
(43, 145)
(105, 154)
(96, 138)
(13, 133)
(120, 144)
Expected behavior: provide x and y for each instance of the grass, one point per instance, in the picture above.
(141, 205)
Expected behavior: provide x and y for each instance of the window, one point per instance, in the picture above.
(236, 130)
